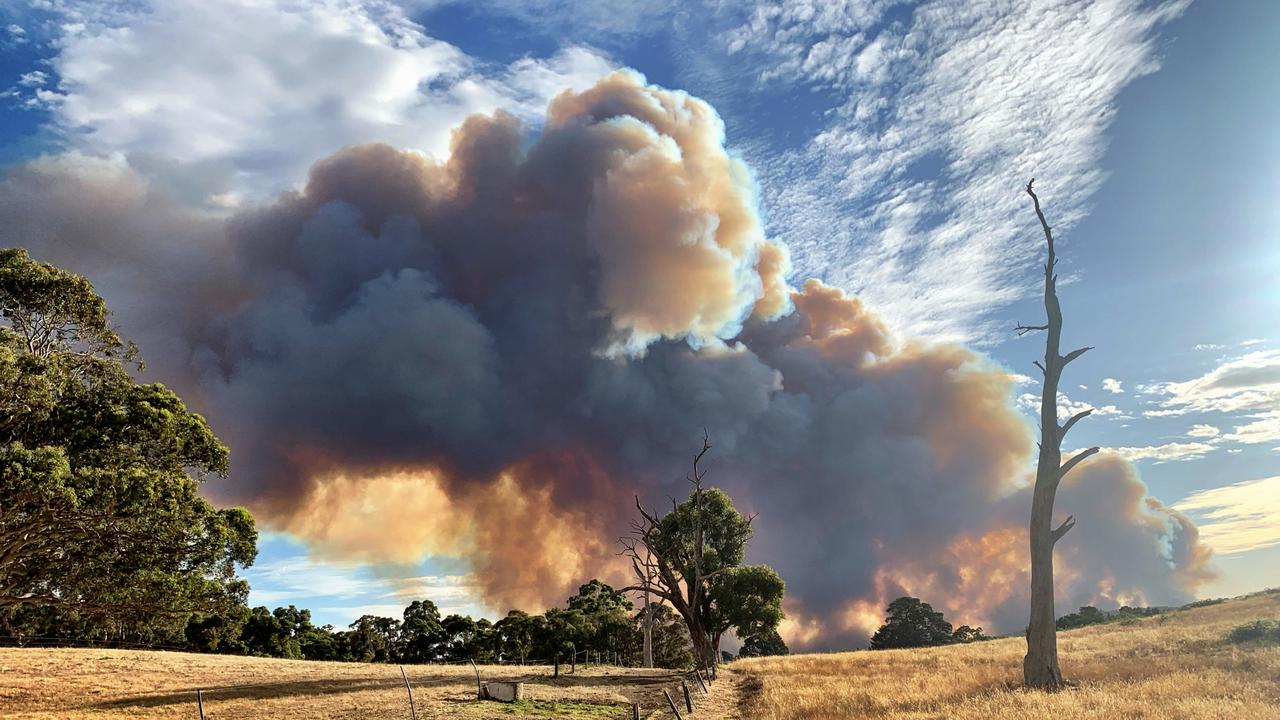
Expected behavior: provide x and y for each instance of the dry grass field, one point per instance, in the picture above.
(1178, 665)
(73, 684)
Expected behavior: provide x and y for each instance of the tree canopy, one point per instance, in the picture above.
(100, 509)
(911, 623)
(764, 644)
(692, 559)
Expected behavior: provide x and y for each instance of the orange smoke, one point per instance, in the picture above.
(527, 550)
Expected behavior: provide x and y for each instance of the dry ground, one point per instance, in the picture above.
(74, 684)
(1178, 665)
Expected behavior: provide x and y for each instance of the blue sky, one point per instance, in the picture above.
(890, 142)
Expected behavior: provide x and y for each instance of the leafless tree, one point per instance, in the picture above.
(1040, 666)
(646, 577)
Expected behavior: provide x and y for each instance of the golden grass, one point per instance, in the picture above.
(76, 684)
(1177, 665)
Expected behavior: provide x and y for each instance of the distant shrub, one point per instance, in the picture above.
(967, 634)
(1259, 632)
(1203, 603)
(1089, 615)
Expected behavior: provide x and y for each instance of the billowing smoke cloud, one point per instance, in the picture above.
(487, 357)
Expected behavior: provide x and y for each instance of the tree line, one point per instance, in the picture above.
(597, 621)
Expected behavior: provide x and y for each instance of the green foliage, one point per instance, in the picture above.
(744, 599)
(725, 532)
(421, 633)
(911, 623)
(373, 639)
(1089, 615)
(763, 644)
(99, 506)
(1258, 632)
(598, 598)
(280, 633)
(671, 646)
(968, 634)
(747, 600)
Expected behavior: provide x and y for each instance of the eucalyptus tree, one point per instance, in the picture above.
(100, 510)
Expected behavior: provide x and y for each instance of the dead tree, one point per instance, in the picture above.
(662, 571)
(646, 576)
(1040, 666)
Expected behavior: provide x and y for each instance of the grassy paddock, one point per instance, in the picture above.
(1177, 665)
(75, 684)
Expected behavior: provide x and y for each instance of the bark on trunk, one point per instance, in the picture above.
(648, 631)
(1040, 665)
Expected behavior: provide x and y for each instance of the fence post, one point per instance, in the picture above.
(573, 662)
(635, 711)
(688, 701)
(672, 703)
(413, 713)
(557, 665)
(200, 703)
(704, 685)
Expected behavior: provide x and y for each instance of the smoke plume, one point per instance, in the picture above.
(488, 356)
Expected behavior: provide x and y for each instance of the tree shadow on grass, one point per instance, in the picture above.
(269, 690)
(606, 680)
(749, 691)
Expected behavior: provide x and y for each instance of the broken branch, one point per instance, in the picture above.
(1062, 431)
(1079, 457)
(1064, 528)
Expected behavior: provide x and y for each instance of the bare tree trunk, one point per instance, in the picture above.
(648, 631)
(1040, 666)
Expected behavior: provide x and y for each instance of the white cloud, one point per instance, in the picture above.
(1203, 431)
(1237, 518)
(1168, 452)
(1112, 385)
(262, 88)
(342, 591)
(1266, 429)
(1247, 383)
(1210, 346)
(1253, 341)
(1067, 407)
(979, 97)
(33, 78)
(347, 614)
(302, 576)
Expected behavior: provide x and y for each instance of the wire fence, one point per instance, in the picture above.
(689, 679)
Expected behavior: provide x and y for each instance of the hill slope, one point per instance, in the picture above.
(1177, 665)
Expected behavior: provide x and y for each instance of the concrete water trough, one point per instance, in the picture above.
(507, 692)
